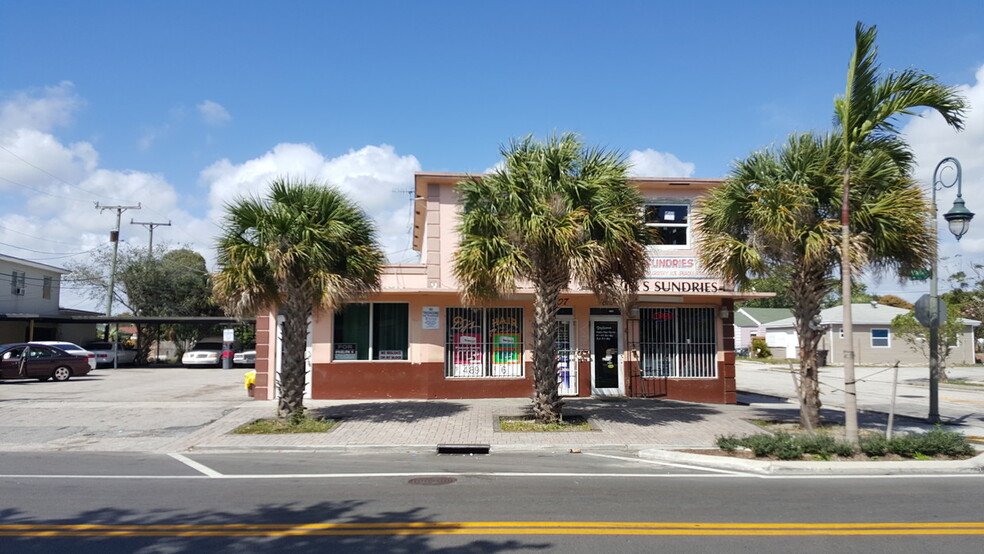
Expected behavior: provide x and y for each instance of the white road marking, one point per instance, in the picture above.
(195, 465)
(670, 464)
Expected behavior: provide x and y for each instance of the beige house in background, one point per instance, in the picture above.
(874, 341)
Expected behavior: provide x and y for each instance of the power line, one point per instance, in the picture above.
(150, 225)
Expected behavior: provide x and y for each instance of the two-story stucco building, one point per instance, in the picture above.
(29, 297)
(417, 339)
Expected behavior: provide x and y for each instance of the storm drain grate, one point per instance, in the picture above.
(463, 449)
(432, 480)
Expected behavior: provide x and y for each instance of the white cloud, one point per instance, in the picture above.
(650, 163)
(41, 110)
(375, 177)
(50, 188)
(933, 140)
(213, 113)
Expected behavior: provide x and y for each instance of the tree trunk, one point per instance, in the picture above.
(296, 313)
(546, 400)
(808, 291)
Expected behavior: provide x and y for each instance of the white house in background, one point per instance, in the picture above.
(29, 295)
(874, 341)
(750, 322)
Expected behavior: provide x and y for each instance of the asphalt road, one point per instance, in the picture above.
(596, 501)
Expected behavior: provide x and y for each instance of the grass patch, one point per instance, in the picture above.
(528, 424)
(277, 427)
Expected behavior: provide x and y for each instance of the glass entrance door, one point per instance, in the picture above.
(606, 363)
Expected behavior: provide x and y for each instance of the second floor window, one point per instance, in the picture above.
(18, 281)
(46, 288)
(667, 223)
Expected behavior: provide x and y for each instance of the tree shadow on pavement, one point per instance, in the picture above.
(405, 412)
(639, 411)
(272, 528)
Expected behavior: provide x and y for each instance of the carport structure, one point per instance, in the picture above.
(81, 328)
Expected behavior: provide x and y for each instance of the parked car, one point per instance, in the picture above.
(245, 359)
(71, 348)
(111, 353)
(206, 352)
(39, 361)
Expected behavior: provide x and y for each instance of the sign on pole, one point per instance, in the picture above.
(922, 310)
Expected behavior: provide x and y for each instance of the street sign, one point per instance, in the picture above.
(919, 274)
(922, 310)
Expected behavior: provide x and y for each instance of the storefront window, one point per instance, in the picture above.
(377, 331)
(677, 342)
(484, 342)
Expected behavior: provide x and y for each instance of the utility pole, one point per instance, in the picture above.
(114, 237)
(150, 225)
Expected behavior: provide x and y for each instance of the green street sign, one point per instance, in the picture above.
(919, 274)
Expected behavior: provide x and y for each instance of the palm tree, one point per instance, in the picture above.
(554, 211)
(304, 246)
(866, 117)
(778, 213)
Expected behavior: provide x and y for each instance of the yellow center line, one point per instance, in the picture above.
(493, 528)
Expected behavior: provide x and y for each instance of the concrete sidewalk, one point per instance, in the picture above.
(179, 410)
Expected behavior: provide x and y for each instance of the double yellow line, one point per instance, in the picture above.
(491, 528)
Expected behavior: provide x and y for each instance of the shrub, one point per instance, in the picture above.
(874, 446)
(944, 443)
(729, 443)
(760, 349)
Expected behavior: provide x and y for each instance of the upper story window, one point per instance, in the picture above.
(46, 288)
(669, 223)
(18, 281)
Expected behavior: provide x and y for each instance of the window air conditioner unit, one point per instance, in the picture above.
(19, 291)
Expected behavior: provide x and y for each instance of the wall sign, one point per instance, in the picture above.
(431, 317)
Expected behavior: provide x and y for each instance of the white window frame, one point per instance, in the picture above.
(659, 225)
(46, 288)
(887, 338)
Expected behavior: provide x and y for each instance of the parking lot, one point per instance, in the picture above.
(123, 409)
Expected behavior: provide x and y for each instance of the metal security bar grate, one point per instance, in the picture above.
(678, 342)
(484, 342)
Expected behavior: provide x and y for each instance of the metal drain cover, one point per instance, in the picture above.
(432, 480)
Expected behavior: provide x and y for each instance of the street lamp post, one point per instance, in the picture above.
(958, 221)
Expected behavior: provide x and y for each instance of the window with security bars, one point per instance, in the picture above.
(678, 342)
(484, 342)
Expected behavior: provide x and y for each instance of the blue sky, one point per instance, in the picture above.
(183, 105)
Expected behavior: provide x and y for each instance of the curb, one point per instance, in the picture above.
(973, 465)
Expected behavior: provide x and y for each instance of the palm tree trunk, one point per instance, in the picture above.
(546, 400)
(850, 391)
(807, 302)
(290, 405)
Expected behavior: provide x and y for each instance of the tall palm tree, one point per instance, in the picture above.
(304, 246)
(866, 116)
(554, 211)
(778, 212)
